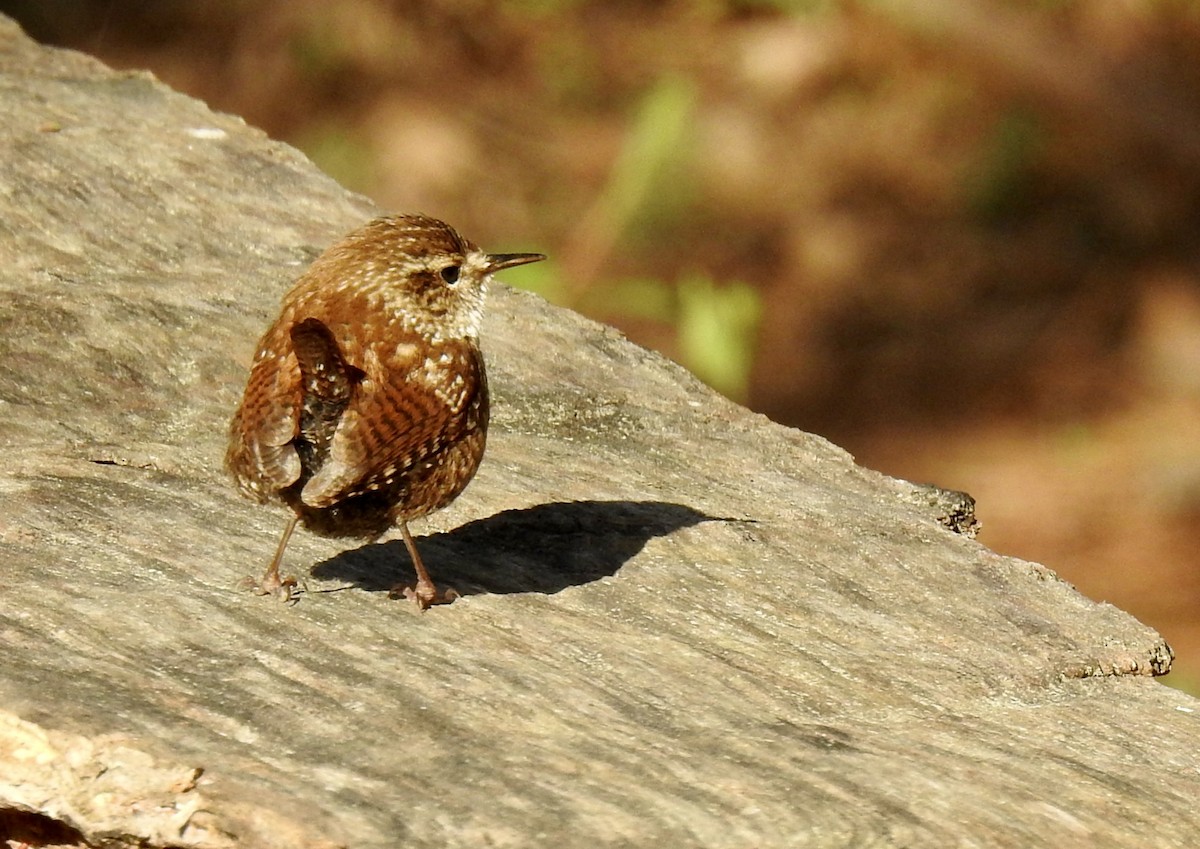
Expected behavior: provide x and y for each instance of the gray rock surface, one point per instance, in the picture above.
(682, 625)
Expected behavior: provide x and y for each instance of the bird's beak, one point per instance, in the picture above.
(497, 262)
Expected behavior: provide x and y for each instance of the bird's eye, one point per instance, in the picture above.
(450, 274)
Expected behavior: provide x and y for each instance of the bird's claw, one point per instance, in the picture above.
(424, 594)
(287, 589)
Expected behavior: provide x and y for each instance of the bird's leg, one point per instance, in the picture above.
(271, 583)
(425, 593)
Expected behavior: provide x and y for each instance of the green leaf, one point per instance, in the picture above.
(717, 328)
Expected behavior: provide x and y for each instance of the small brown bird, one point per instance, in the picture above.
(367, 403)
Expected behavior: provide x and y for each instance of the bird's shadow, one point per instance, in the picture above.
(540, 549)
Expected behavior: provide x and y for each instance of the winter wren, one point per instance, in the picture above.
(367, 403)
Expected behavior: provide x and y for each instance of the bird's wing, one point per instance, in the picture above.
(261, 456)
(400, 416)
(327, 384)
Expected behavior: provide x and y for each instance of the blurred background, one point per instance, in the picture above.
(960, 238)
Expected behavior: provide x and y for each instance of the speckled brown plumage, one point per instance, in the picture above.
(367, 403)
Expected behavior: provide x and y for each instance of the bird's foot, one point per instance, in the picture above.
(425, 594)
(287, 589)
